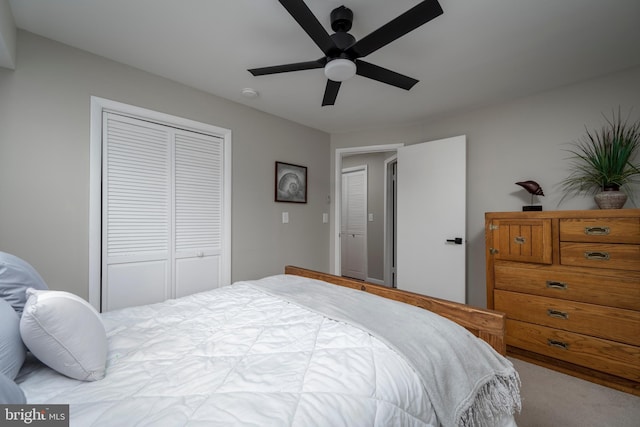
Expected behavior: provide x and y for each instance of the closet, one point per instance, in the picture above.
(162, 212)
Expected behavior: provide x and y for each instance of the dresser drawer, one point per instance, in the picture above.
(617, 290)
(608, 356)
(605, 322)
(603, 230)
(522, 240)
(597, 255)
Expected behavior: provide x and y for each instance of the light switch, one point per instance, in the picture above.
(370, 217)
(325, 218)
(285, 217)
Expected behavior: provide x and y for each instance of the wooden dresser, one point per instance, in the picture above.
(569, 282)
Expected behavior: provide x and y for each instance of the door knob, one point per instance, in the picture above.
(456, 241)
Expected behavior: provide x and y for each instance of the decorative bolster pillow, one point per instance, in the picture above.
(65, 333)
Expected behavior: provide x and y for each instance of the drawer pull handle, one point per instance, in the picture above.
(557, 314)
(600, 256)
(557, 285)
(596, 231)
(558, 344)
(519, 240)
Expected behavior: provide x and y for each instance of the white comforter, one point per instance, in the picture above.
(238, 356)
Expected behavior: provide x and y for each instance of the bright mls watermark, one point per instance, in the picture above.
(34, 415)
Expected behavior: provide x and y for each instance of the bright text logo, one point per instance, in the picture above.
(34, 415)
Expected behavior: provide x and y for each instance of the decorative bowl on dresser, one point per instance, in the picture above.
(569, 283)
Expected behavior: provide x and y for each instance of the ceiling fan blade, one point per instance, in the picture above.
(331, 92)
(285, 68)
(408, 21)
(375, 72)
(307, 20)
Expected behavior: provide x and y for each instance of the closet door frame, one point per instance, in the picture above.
(100, 105)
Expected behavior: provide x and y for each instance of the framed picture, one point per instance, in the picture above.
(291, 183)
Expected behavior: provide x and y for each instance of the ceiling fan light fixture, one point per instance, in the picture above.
(340, 69)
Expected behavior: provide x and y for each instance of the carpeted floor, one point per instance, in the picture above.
(553, 399)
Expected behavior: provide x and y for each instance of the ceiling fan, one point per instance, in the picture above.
(342, 51)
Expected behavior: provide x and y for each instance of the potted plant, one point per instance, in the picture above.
(603, 163)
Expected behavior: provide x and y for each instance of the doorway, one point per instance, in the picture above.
(430, 246)
(378, 262)
(390, 240)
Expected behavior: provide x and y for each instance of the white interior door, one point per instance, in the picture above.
(431, 182)
(353, 235)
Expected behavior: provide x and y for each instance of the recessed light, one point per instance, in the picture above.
(247, 92)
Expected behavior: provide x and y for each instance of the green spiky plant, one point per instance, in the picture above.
(604, 159)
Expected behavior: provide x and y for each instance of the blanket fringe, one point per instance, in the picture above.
(500, 396)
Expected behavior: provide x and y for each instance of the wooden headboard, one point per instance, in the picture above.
(487, 325)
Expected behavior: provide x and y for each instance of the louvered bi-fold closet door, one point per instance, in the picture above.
(162, 212)
(353, 236)
(136, 212)
(198, 212)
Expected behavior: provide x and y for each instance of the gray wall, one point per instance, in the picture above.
(44, 152)
(44, 164)
(7, 36)
(514, 141)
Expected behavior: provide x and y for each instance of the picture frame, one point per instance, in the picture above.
(290, 183)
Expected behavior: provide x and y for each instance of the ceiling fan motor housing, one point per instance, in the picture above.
(343, 41)
(341, 19)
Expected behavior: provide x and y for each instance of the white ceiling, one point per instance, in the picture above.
(479, 52)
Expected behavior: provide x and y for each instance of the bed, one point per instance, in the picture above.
(291, 350)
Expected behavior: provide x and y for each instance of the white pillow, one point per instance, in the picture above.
(10, 392)
(16, 275)
(65, 333)
(12, 351)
